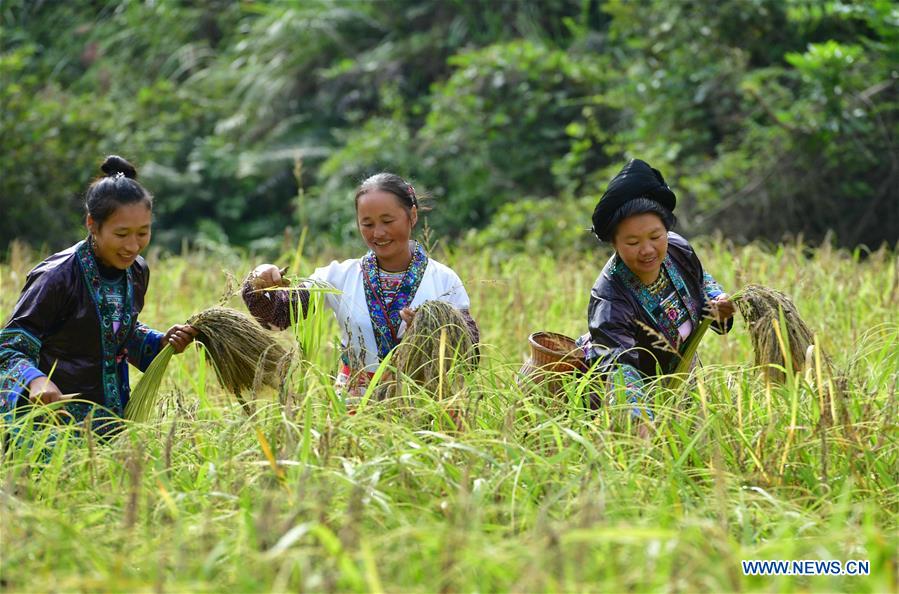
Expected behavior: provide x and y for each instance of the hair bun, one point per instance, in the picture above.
(115, 164)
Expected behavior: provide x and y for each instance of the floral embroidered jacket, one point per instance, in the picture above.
(63, 327)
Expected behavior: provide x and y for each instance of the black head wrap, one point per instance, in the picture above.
(636, 180)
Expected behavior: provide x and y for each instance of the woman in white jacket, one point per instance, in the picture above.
(376, 294)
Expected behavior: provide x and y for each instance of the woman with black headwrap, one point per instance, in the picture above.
(653, 292)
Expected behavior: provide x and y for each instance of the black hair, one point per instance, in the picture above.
(639, 206)
(118, 187)
(392, 184)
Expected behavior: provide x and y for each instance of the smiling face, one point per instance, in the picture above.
(123, 235)
(642, 243)
(386, 227)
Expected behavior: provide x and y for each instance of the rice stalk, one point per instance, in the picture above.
(437, 336)
(243, 354)
(686, 362)
(144, 396)
(762, 308)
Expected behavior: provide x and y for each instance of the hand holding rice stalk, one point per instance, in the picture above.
(775, 327)
(243, 354)
(713, 311)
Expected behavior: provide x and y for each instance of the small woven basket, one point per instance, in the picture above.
(555, 352)
(552, 357)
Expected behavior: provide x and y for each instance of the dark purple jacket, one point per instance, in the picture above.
(56, 308)
(614, 311)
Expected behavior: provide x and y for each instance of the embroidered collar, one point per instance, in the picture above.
(651, 303)
(112, 341)
(385, 317)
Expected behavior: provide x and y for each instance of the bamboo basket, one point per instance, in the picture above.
(551, 356)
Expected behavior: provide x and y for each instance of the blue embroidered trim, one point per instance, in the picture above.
(112, 341)
(710, 286)
(19, 355)
(143, 345)
(633, 383)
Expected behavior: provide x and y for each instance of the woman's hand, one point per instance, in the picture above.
(179, 336)
(721, 308)
(267, 275)
(43, 391)
(407, 314)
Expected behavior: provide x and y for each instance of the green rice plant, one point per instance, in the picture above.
(686, 362)
(242, 353)
(528, 497)
(144, 397)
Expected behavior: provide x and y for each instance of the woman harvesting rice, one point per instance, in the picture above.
(74, 328)
(378, 292)
(653, 286)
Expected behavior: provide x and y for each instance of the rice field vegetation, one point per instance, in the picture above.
(500, 487)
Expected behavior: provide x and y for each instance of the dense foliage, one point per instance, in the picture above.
(768, 117)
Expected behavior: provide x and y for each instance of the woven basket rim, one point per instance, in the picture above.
(556, 335)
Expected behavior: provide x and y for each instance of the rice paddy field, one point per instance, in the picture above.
(493, 485)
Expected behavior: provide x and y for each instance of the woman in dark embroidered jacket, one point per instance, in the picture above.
(74, 328)
(653, 292)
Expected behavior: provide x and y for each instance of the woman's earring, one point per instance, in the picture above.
(93, 242)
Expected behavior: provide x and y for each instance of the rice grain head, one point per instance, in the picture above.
(761, 309)
(419, 356)
(243, 354)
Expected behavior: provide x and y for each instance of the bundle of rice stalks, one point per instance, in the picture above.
(761, 309)
(437, 337)
(143, 398)
(243, 353)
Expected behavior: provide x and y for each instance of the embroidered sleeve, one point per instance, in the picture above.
(19, 352)
(274, 309)
(612, 338)
(711, 287)
(612, 346)
(591, 352)
(35, 316)
(622, 378)
(143, 345)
